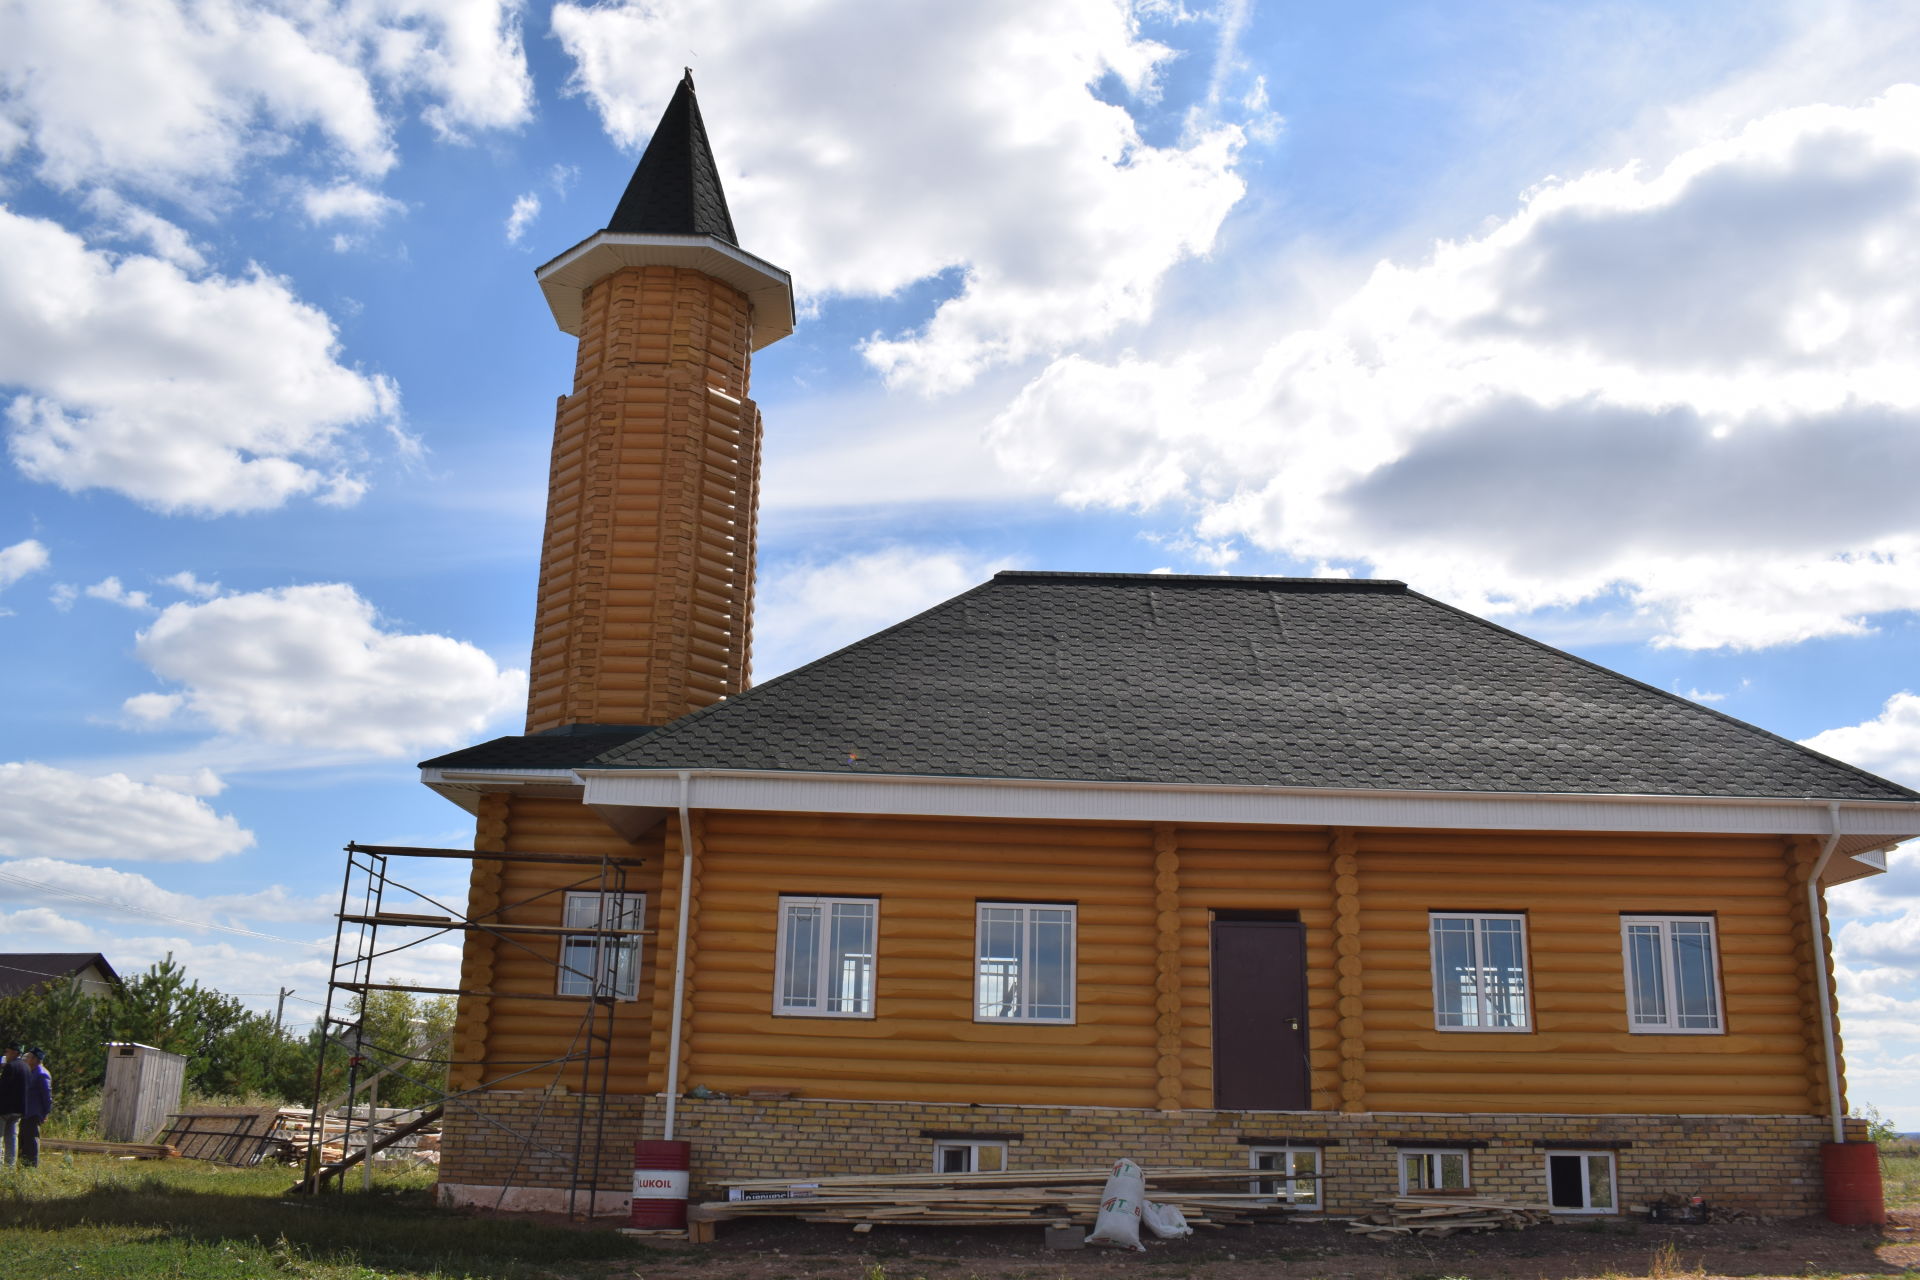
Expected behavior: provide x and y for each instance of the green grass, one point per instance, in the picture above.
(1901, 1175)
(96, 1217)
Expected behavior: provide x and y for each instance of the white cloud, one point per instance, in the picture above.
(1602, 394)
(113, 592)
(187, 584)
(21, 559)
(130, 221)
(200, 782)
(1069, 219)
(1888, 744)
(347, 202)
(806, 609)
(525, 209)
(55, 813)
(314, 666)
(169, 95)
(203, 394)
(127, 895)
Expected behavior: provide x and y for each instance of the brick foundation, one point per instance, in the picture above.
(1768, 1164)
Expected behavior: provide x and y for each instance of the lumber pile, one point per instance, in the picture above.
(1439, 1217)
(1038, 1197)
(345, 1130)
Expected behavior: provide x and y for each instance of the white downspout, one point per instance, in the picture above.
(680, 960)
(1821, 966)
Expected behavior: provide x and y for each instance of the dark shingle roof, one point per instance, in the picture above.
(1218, 680)
(676, 187)
(568, 749)
(25, 970)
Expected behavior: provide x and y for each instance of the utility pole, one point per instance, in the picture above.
(280, 1008)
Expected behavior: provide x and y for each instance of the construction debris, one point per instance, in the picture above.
(1438, 1217)
(126, 1150)
(1038, 1197)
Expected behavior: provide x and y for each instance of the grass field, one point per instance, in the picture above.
(1901, 1174)
(89, 1217)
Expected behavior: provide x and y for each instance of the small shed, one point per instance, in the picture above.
(143, 1088)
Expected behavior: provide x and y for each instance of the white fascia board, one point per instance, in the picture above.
(769, 289)
(465, 786)
(1873, 824)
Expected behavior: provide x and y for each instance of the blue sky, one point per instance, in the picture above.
(1597, 319)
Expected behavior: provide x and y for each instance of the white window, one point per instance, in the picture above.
(1479, 971)
(1434, 1170)
(1672, 974)
(1297, 1183)
(1580, 1182)
(1024, 963)
(969, 1157)
(825, 950)
(599, 964)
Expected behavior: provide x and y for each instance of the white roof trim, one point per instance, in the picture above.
(1865, 825)
(465, 786)
(769, 289)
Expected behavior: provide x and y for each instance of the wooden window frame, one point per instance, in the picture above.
(1287, 1175)
(1586, 1181)
(564, 975)
(1526, 967)
(1026, 924)
(973, 1147)
(821, 967)
(1434, 1153)
(1669, 971)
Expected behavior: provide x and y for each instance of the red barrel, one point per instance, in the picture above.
(660, 1184)
(1852, 1174)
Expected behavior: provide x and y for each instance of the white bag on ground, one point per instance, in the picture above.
(1164, 1220)
(1119, 1220)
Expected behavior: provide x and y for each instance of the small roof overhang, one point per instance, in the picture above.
(769, 289)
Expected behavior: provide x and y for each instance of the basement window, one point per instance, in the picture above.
(1023, 968)
(1672, 974)
(826, 956)
(969, 1157)
(1581, 1182)
(1434, 1171)
(1479, 971)
(1298, 1183)
(598, 965)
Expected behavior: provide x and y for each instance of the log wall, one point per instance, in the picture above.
(646, 570)
(1142, 1037)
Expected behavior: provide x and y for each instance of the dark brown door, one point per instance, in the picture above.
(1259, 1015)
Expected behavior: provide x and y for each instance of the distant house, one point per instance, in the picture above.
(22, 971)
(1323, 878)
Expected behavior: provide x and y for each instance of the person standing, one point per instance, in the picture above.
(39, 1106)
(13, 1100)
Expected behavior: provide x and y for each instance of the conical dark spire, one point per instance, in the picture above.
(676, 188)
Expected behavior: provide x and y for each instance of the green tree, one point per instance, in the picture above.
(68, 1023)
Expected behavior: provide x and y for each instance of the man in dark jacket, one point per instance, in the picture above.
(13, 1100)
(39, 1106)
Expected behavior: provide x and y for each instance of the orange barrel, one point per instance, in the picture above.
(660, 1184)
(1851, 1171)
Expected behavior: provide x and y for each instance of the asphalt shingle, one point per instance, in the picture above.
(1218, 680)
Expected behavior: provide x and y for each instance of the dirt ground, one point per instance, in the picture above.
(783, 1250)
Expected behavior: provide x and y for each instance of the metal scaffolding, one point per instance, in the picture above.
(368, 889)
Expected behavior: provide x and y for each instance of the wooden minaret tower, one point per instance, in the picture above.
(646, 572)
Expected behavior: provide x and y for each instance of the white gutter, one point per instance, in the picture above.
(1824, 973)
(680, 957)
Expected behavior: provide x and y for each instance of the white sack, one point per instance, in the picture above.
(1164, 1220)
(1119, 1221)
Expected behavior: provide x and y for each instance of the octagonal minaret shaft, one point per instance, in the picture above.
(646, 572)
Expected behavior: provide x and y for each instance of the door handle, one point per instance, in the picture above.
(1293, 1024)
